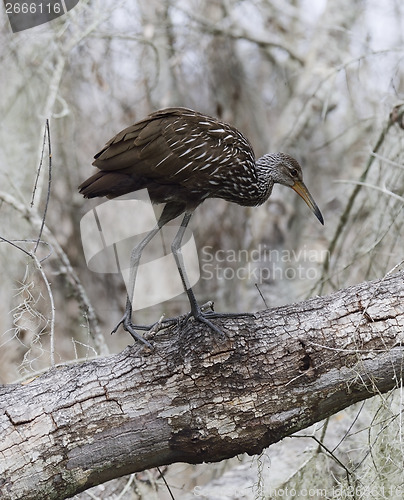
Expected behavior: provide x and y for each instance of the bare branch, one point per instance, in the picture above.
(46, 134)
(240, 34)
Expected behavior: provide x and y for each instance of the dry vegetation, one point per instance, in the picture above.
(320, 80)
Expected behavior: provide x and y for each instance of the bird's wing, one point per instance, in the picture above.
(177, 145)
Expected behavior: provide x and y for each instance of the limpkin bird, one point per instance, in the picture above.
(184, 157)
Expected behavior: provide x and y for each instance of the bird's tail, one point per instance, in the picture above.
(109, 184)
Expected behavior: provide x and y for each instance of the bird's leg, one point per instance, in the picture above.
(197, 311)
(126, 320)
(176, 250)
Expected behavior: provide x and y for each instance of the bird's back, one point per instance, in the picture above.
(178, 154)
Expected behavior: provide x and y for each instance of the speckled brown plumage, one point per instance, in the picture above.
(183, 157)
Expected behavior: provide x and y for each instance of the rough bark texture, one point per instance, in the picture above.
(195, 398)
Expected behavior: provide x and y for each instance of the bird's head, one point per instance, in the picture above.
(283, 169)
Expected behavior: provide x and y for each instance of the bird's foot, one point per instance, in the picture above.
(150, 330)
(128, 326)
(205, 313)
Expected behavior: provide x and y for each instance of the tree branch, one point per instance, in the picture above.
(197, 398)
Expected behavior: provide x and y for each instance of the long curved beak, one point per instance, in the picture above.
(303, 192)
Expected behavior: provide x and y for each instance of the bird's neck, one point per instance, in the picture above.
(265, 181)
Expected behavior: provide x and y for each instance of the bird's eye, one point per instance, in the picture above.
(293, 172)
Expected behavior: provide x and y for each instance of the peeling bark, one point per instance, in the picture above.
(198, 398)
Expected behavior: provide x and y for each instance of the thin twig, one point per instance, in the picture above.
(52, 95)
(15, 245)
(52, 306)
(38, 172)
(241, 35)
(372, 186)
(132, 477)
(166, 484)
(47, 132)
(346, 434)
(330, 452)
(262, 296)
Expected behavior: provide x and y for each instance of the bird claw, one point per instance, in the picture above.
(129, 327)
(120, 322)
(150, 330)
(202, 317)
(205, 313)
